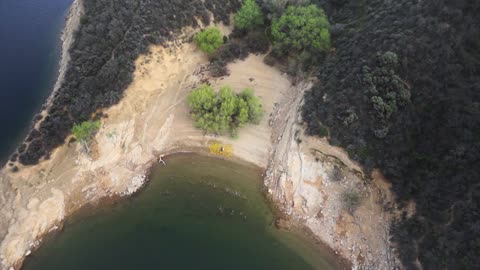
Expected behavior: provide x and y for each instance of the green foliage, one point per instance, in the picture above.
(249, 16)
(224, 111)
(254, 106)
(209, 40)
(386, 90)
(302, 28)
(85, 131)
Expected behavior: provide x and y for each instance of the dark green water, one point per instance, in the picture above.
(196, 213)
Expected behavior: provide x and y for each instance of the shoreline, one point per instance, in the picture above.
(65, 39)
(70, 26)
(72, 22)
(301, 233)
(152, 120)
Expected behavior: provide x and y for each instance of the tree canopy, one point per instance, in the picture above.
(224, 111)
(249, 16)
(209, 40)
(85, 131)
(301, 28)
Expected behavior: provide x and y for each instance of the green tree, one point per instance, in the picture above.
(85, 131)
(302, 28)
(249, 16)
(209, 40)
(224, 111)
(255, 109)
(203, 98)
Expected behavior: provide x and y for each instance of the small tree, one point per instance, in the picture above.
(302, 28)
(85, 131)
(249, 16)
(209, 40)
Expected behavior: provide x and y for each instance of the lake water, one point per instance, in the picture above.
(196, 213)
(29, 50)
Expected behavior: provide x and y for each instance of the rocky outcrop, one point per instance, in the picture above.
(311, 181)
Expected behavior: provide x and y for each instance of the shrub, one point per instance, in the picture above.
(209, 40)
(224, 111)
(350, 200)
(255, 110)
(301, 28)
(85, 131)
(387, 92)
(217, 148)
(249, 16)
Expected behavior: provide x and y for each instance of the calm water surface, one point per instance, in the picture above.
(196, 213)
(29, 50)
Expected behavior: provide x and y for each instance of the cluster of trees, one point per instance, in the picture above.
(385, 89)
(412, 67)
(224, 111)
(297, 31)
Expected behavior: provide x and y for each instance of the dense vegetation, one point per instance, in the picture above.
(111, 36)
(209, 40)
(401, 93)
(224, 111)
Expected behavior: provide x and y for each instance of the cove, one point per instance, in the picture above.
(197, 212)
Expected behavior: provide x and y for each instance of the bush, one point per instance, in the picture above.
(85, 132)
(255, 110)
(350, 200)
(209, 40)
(301, 28)
(249, 16)
(224, 111)
(220, 149)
